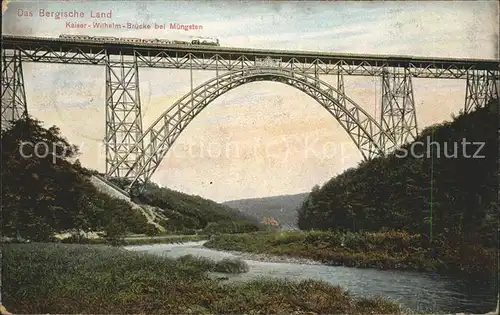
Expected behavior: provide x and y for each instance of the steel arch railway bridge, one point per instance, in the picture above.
(135, 153)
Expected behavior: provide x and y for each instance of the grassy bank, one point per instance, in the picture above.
(172, 239)
(143, 240)
(388, 250)
(71, 278)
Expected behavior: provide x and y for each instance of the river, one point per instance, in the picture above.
(420, 292)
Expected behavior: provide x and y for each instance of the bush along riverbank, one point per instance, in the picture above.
(382, 250)
(74, 278)
(224, 266)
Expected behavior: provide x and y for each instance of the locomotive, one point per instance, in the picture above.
(196, 41)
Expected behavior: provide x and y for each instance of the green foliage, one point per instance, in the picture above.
(383, 250)
(164, 239)
(231, 266)
(151, 230)
(41, 196)
(114, 232)
(279, 207)
(70, 278)
(171, 239)
(187, 213)
(230, 227)
(202, 263)
(395, 193)
(188, 232)
(223, 266)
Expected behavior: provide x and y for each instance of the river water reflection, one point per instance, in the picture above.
(420, 292)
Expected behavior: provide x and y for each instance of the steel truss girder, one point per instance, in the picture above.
(364, 130)
(340, 88)
(123, 117)
(180, 60)
(13, 95)
(398, 116)
(75, 55)
(481, 88)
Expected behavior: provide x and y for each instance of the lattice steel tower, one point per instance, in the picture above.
(482, 87)
(123, 115)
(13, 94)
(398, 116)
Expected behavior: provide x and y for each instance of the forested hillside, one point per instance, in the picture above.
(282, 208)
(49, 194)
(453, 198)
(187, 212)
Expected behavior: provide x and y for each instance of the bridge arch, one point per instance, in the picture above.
(366, 133)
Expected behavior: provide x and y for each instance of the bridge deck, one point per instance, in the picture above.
(247, 54)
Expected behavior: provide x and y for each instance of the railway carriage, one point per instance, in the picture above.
(75, 37)
(206, 41)
(198, 41)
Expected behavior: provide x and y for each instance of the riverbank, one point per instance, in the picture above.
(163, 239)
(138, 240)
(74, 278)
(389, 250)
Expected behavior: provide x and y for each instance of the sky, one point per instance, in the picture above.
(263, 138)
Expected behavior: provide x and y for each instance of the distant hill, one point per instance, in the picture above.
(283, 208)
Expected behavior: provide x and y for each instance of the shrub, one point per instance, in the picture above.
(151, 230)
(231, 266)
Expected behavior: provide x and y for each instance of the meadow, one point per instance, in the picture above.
(90, 279)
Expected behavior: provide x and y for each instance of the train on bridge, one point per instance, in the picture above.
(197, 41)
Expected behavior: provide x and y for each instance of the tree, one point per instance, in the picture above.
(114, 232)
(457, 196)
(45, 193)
(32, 205)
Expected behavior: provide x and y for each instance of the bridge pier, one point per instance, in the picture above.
(398, 116)
(14, 104)
(481, 88)
(123, 116)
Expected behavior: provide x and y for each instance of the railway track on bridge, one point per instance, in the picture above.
(202, 57)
